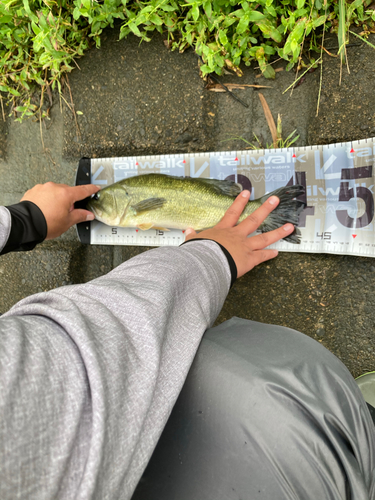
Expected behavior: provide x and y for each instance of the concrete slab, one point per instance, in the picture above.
(233, 119)
(137, 98)
(33, 156)
(50, 265)
(347, 111)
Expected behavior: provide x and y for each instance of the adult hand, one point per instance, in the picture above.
(56, 201)
(246, 252)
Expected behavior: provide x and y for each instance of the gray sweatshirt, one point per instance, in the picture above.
(89, 373)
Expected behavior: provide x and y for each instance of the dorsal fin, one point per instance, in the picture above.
(229, 188)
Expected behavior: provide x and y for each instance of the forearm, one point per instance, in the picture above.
(131, 337)
(22, 227)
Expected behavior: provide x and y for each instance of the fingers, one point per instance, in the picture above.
(254, 220)
(233, 213)
(80, 215)
(265, 239)
(81, 192)
(190, 233)
(263, 256)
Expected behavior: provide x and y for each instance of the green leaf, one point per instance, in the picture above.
(45, 58)
(319, 21)
(43, 21)
(293, 45)
(6, 19)
(31, 15)
(300, 4)
(269, 72)
(238, 13)
(154, 18)
(268, 49)
(76, 13)
(295, 38)
(219, 60)
(134, 29)
(243, 25)
(149, 8)
(205, 69)
(168, 21)
(267, 69)
(223, 37)
(35, 28)
(301, 13)
(256, 15)
(228, 21)
(245, 6)
(13, 91)
(37, 43)
(351, 8)
(271, 10)
(168, 8)
(19, 109)
(195, 12)
(268, 29)
(276, 35)
(207, 7)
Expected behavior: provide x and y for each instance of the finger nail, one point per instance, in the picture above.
(288, 227)
(273, 200)
(90, 217)
(245, 193)
(188, 232)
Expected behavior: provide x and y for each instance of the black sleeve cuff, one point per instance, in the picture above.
(232, 264)
(28, 227)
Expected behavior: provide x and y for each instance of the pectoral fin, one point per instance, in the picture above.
(147, 205)
(146, 226)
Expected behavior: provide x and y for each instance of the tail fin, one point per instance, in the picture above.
(288, 210)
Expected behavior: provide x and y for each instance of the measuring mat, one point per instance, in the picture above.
(338, 181)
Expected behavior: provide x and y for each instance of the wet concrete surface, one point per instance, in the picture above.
(143, 99)
(151, 101)
(346, 111)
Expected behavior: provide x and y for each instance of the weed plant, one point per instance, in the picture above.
(40, 40)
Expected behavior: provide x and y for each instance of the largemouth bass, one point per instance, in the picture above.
(166, 202)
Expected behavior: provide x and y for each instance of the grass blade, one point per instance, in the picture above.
(363, 39)
(269, 118)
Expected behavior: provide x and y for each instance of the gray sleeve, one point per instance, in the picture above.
(89, 373)
(5, 223)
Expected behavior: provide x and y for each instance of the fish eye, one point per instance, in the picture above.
(95, 196)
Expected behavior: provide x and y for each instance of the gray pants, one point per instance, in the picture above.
(265, 413)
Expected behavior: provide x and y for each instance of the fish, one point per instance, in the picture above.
(166, 202)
